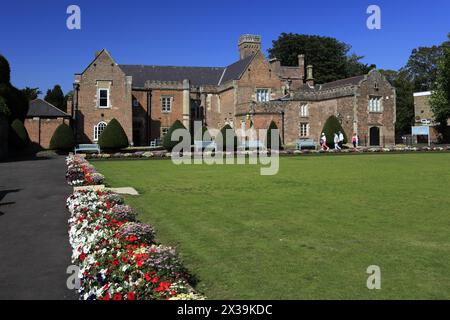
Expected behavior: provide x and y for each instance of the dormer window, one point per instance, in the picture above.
(103, 98)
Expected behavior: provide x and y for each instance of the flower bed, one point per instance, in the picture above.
(81, 173)
(117, 255)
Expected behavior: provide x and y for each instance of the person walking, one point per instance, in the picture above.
(355, 140)
(323, 142)
(336, 142)
(341, 140)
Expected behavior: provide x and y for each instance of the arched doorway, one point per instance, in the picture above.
(374, 136)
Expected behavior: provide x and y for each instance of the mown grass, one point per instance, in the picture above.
(309, 232)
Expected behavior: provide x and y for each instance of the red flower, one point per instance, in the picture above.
(82, 257)
(139, 263)
(131, 296)
(116, 262)
(106, 297)
(163, 286)
(148, 277)
(117, 296)
(155, 279)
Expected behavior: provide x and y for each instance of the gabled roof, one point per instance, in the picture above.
(42, 109)
(198, 76)
(353, 81)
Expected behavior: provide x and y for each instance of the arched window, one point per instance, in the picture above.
(98, 129)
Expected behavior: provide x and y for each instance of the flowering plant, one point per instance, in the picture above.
(82, 173)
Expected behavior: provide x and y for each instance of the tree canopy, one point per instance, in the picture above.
(56, 98)
(329, 56)
(31, 93)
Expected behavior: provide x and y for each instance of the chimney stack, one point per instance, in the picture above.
(309, 76)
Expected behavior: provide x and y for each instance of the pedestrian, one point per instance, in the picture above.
(336, 142)
(323, 142)
(355, 140)
(341, 140)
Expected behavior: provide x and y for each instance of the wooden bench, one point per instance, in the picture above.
(87, 148)
(305, 144)
(202, 145)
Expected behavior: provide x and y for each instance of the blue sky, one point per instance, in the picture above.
(43, 52)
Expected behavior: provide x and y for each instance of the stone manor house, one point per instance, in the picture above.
(253, 91)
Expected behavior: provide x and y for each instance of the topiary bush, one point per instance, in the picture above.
(113, 137)
(332, 126)
(18, 135)
(272, 126)
(62, 138)
(224, 137)
(167, 140)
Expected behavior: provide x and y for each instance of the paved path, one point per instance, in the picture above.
(34, 245)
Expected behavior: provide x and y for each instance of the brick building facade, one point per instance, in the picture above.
(253, 91)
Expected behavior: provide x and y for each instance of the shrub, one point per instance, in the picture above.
(113, 137)
(18, 135)
(62, 138)
(332, 126)
(272, 126)
(223, 132)
(4, 110)
(167, 140)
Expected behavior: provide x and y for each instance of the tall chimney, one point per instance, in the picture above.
(309, 76)
(248, 45)
(301, 65)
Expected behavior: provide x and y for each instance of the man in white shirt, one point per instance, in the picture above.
(341, 140)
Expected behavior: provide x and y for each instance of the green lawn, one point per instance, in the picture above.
(309, 232)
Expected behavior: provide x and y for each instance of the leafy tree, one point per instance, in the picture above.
(4, 110)
(31, 93)
(5, 71)
(333, 126)
(15, 100)
(56, 98)
(272, 126)
(405, 100)
(328, 56)
(422, 67)
(113, 137)
(223, 132)
(440, 98)
(62, 138)
(167, 140)
(18, 135)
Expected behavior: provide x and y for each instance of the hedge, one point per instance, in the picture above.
(224, 138)
(167, 140)
(113, 137)
(272, 126)
(332, 126)
(62, 138)
(18, 135)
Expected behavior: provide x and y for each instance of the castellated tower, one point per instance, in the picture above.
(249, 44)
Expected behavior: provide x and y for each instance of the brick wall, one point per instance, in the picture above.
(41, 131)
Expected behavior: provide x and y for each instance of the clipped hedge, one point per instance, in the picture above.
(18, 135)
(332, 126)
(113, 137)
(167, 140)
(224, 137)
(62, 138)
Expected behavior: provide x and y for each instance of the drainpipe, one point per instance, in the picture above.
(149, 114)
(282, 126)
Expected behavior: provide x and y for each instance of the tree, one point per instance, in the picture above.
(440, 98)
(167, 140)
(113, 137)
(333, 126)
(31, 93)
(270, 133)
(4, 110)
(62, 138)
(404, 87)
(15, 100)
(18, 135)
(56, 98)
(422, 67)
(328, 56)
(5, 70)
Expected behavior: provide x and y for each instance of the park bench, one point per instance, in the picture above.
(202, 145)
(253, 145)
(87, 148)
(305, 144)
(156, 143)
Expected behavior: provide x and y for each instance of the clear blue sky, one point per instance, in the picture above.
(43, 52)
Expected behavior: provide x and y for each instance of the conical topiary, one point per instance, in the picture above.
(332, 126)
(113, 137)
(167, 140)
(62, 138)
(224, 138)
(272, 126)
(18, 135)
